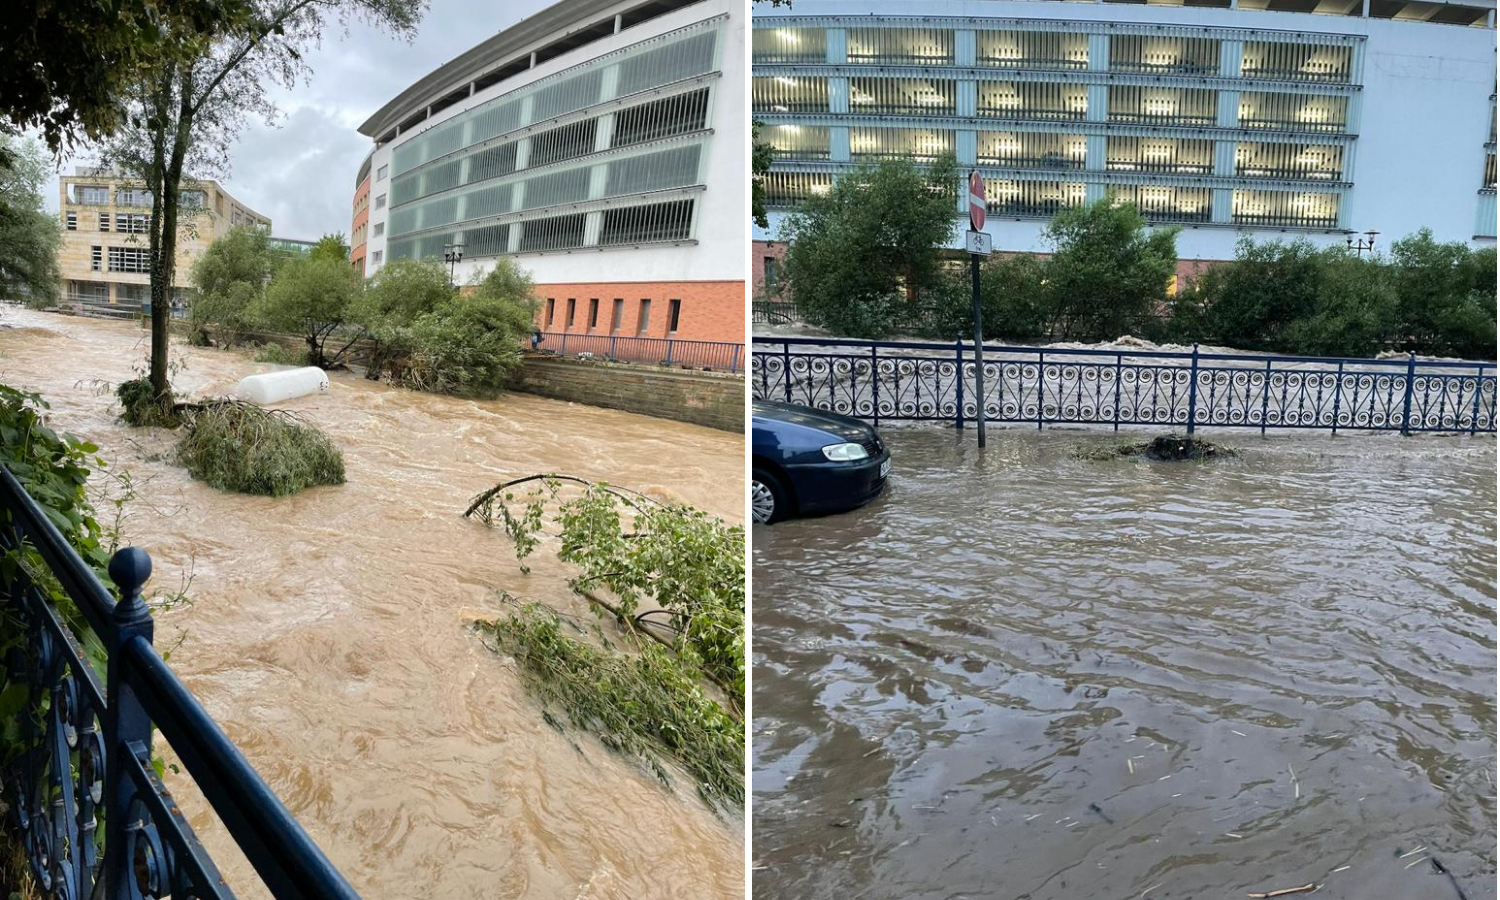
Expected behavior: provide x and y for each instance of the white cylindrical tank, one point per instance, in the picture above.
(274, 387)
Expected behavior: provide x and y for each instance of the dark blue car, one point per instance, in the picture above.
(808, 462)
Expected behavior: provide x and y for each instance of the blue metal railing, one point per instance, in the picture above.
(721, 356)
(917, 381)
(87, 745)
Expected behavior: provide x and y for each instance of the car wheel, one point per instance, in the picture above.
(768, 499)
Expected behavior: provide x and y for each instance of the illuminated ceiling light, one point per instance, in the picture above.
(789, 82)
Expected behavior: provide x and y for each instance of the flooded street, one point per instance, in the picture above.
(327, 631)
(1026, 675)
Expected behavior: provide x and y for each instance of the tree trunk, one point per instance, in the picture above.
(160, 268)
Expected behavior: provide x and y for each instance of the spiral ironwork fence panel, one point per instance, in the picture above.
(914, 381)
(94, 818)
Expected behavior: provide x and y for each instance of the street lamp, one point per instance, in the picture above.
(452, 253)
(1360, 245)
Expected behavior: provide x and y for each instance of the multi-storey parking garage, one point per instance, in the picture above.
(1253, 118)
(604, 144)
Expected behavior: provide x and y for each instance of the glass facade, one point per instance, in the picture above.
(606, 153)
(1192, 124)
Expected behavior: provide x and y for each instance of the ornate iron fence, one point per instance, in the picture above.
(720, 356)
(87, 745)
(899, 380)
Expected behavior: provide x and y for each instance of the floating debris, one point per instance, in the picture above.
(1302, 889)
(1166, 448)
(1415, 861)
(1152, 888)
(1443, 870)
(1410, 852)
(1094, 808)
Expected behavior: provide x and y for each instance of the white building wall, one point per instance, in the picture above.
(721, 231)
(1422, 118)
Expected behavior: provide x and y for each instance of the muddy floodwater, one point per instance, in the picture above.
(1026, 675)
(327, 631)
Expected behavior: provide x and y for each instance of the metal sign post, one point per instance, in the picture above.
(979, 246)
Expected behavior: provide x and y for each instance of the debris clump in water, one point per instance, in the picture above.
(1164, 448)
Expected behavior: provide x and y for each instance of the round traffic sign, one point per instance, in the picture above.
(976, 201)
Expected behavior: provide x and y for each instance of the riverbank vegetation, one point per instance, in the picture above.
(870, 260)
(29, 235)
(668, 678)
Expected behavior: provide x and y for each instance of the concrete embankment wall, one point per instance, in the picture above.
(699, 398)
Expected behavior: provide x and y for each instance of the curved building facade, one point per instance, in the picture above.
(1230, 118)
(603, 145)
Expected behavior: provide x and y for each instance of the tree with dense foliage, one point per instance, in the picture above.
(183, 115)
(471, 343)
(760, 165)
(312, 298)
(69, 64)
(860, 256)
(230, 276)
(394, 298)
(29, 235)
(1107, 271)
(1445, 295)
(330, 246)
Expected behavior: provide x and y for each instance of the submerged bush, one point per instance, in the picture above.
(142, 406)
(243, 448)
(281, 355)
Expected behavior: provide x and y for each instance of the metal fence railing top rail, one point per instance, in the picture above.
(914, 380)
(87, 745)
(719, 356)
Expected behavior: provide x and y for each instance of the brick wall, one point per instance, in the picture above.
(765, 256)
(717, 401)
(710, 311)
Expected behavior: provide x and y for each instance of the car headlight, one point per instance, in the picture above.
(845, 452)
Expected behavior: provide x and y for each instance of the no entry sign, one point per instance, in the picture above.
(976, 201)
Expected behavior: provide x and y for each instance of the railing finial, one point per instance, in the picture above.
(130, 569)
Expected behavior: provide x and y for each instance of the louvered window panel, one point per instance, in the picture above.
(1031, 50)
(782, 94)
(1292, 112)
(1296, 209)
(565, 142)
(1163, 55)
(1032, 100)
(901, 97)
(1297, 62)
(1164, 155)
(784, 190)
(1315, 162)
(644, 224)
(677, 167)
(1165, 204)
(1032, 150)
(917, 144)
(1031, 198)
(789, 45)
(1162, 106)
(679, 114)
(901, 46)
(554, 233)
(796, 141)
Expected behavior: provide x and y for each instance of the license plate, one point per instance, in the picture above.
(885, 468)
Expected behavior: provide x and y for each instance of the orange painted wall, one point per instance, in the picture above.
(711, 310)
(359, 227)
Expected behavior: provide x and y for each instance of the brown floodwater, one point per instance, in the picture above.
(1020, 674)
(328, 635)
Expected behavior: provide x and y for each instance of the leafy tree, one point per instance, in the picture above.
(331, 246)
(183, 115)
(1107, 272)
(230, 276)
(394, 297)
(471, 343)
(1354, 311)
(29, 236)
(1252, 302)
(859, 256)
(1012, 298)
(760, 164)
(1446, 296)
(311, 297)
(69, 64)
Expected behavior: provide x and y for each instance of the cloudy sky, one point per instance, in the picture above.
(300, 172)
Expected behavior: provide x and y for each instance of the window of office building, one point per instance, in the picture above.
(1159, 55)
(1032, 100)
(1292, 112)
(643, 318)
(375, 257)
(1159, 155)
(572, 303)
(1310, 162)
(783, 94)
(380, 202)
(70, 219)
(93, 196)
(132, 197)
(129, 259)
(551, 309)
(1297, 62)
(902, 96)
(1162, 106)
(379, 229)
(901, 46)
(96, 259)
(1292, 208)
(1031, 198)
(674, 315)
(772, 269)
(617, 315)
(1164, 204)
(1010, 49)
(796, 141)
(915, 144)
(1031, 150)
(593, 313)
(132, 223)
(382, 172)
(104, 221)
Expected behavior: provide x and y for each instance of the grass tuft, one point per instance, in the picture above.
(242, 448)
